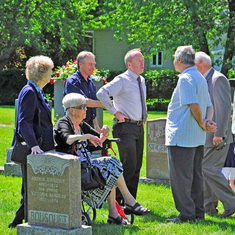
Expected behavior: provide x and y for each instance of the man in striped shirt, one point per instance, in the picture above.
(188, 120)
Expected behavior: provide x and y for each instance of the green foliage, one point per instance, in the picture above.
(231, 74)
(11, 83)
(165, 25)
(54, 28)
(160, 84)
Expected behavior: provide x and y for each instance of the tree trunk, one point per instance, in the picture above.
(230, 44)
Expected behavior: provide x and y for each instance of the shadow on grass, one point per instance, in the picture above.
(104, 228)
(222, 223)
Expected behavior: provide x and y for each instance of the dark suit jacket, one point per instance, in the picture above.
(30, 105)
(219, 90)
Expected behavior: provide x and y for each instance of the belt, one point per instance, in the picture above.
(138, 123)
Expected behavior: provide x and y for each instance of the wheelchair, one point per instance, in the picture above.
(89, 213)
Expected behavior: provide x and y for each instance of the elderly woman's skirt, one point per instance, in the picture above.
(111, 169)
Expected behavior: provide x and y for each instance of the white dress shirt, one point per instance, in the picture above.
(126, 95)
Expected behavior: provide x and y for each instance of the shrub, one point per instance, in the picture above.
(160, 83)
(231, 74)
(11, 82)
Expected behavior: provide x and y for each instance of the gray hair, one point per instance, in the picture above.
(37, 67)
(72, 100)
(186, 53)
(202, 56)
(82, 55)
(128, 56)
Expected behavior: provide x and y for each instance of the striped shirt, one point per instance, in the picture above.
(181, 127)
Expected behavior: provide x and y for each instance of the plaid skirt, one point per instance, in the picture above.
(111, 169)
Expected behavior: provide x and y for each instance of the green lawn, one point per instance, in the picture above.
(157, 198)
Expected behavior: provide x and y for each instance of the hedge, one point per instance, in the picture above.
(160, 85)
(11, 82)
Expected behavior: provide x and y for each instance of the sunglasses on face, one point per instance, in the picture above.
(83, 106)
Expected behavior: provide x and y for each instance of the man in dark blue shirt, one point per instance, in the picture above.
(81, 82)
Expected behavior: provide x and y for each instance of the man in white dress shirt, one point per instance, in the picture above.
(129, 108)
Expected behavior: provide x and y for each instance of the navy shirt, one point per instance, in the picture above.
(76, 83)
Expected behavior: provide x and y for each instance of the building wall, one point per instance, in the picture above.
(110, 53)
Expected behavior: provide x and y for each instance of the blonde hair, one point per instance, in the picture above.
(37, 67)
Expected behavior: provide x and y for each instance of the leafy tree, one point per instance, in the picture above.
(52, 27)
(167, 24)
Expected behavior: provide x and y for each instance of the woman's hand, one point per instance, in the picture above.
(105, 130)
(95, 141)
(36, 150)
(104, 133)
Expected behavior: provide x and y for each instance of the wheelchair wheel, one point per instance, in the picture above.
(89, 210)
(86, 220)
(130, 218)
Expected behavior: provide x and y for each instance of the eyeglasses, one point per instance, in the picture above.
(83, 106)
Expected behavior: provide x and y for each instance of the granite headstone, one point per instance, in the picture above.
(157, 161)
(54, 194)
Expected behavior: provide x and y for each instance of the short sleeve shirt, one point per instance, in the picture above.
(181, 127)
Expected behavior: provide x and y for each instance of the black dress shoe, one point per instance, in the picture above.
(228, 213)
(212, 213)
(178, 220)
(14, 224)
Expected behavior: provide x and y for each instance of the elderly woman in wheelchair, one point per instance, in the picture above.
(71, 135)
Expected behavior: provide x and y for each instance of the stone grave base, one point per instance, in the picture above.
(26, 229)
(145, 180)
(11, 168)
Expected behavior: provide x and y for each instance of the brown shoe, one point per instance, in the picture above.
(228, 213)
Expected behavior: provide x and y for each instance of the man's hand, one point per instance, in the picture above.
(210, 126)
(36, 150)
(217, 140)
(120, 117)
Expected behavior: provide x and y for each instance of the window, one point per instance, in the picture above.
(156, 60)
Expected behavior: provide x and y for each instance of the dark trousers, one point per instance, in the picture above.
(21, 213)
(185, 167)
(131, 154)
(216, 185)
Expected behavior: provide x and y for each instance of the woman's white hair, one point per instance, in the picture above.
(73, 100)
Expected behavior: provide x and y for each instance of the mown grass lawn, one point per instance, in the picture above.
(157, 198)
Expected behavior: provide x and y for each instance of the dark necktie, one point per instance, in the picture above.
(143, 102)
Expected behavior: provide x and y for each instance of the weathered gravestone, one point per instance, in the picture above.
(157, 161)
(11, 168)
(54, 195)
